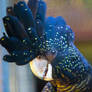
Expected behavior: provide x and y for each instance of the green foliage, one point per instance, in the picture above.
(86, 49)
(88, 3)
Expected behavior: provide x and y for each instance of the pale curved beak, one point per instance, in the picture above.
(41, 69)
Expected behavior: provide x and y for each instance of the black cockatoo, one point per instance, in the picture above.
(47, 44)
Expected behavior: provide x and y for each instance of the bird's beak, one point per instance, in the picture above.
(41, 69)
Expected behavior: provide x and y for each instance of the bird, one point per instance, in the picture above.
(47, 44)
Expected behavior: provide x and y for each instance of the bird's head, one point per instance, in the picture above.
(58, 35)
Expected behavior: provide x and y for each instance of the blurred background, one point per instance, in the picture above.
(77, 13)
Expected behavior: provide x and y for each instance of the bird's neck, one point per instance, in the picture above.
(68, 87)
